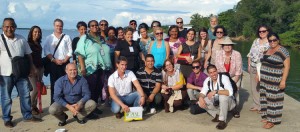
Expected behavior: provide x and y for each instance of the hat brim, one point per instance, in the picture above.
(228, 43)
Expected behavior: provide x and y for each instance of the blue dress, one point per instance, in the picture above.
(159, 54)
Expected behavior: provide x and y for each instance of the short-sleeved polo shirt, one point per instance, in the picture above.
(123, 86)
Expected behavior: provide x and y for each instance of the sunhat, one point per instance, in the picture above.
(227, 40)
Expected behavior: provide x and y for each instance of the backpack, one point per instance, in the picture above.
(233, 84)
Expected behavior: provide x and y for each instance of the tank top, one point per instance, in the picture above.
(159, 54)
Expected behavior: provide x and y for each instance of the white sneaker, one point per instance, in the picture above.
(152, 111)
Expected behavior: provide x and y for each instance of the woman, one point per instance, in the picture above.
(130, 49)
(230, 61)
(94, 58)
(274, 72)
(145, 40)
(81, 28)
(34, 41)
(192, 51)
(174, 42)
(221, 34)
(111, 42)
(259, 46)
(172, 86)
(159, 48)
(103, 24)
(205, 44)
(120, 33)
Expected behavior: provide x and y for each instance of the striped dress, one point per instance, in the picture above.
(271, 97)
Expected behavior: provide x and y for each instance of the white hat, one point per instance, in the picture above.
(227, 40)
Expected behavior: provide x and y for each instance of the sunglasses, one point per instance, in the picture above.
(263, 31)
(195, 67)
(160, 33)
(179, 22)
(219, 32)
(272, 40)
(103, 24)
(132, 23)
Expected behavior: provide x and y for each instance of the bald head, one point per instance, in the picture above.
(71, 70)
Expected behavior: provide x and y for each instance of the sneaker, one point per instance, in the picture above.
(79, 121)
(33, 119)
(8, 124)
(62, 123)
(152, 111)
(222, 125)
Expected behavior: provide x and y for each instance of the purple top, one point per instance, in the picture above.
(197, 81)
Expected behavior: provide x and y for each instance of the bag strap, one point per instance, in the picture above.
(5, 44)
(58, 44)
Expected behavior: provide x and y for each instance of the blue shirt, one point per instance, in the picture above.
(67, 93)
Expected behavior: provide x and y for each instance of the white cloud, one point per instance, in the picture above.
(117, 12)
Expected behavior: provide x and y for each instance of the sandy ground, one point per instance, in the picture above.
(180, 121)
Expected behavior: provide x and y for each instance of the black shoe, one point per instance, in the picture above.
(97, 111)
(33, 119)
(62, 123)
(8, 124)
(222, 125)
(92, 116)
(119, 115)
(216, 119)
(236, 114)
(79, 121)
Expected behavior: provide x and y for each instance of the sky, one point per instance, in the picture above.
(117, 12)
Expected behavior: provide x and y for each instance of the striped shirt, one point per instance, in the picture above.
(148, 81)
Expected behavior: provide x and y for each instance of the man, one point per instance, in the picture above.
(155, 24)
(103, 25)
(217, 100)
(71, 92)
(60, 59)
(182, 31)
(213, 21)
(17, 46)
(195, 82)
(120, 89)
(150, 79)
(133, 24)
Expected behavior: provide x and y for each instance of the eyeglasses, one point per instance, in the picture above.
(273, 40)
(133, 23)
(160, 33)
(219, 32)
(195, 67)
(94, 25)
(179, 22)
(263, 31)
(103, 24)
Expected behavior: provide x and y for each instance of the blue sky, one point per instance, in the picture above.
(117, 12)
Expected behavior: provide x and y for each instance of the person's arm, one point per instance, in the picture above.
(167, 49)
(69, 48)
(32, 67)
(190, 81)
(285, 74)
(199, 53)
(82, 65)
(58, 96)
(239, 65)
(191, 86)
(228, 90)
(180, 83)
(86, 93)
(140, 91)
(150, 47)
(142, 56)
(208, 54)
(113, 94)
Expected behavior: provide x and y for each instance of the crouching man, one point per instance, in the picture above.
(217, 100)
(71, 92)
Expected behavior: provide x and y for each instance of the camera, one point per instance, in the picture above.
(170, 91)
(216, 100)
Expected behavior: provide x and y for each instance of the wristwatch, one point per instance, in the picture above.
(217, 91)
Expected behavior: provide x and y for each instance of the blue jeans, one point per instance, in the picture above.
(6, 85)
(132, 98)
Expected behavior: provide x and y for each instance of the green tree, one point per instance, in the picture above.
(199, 21)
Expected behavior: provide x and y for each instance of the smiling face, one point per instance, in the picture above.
(227, 47)
(203, 35)
(122, 66)
(213, 22)
(82, 30)
(143, 32)
(120, 34)
(149, 62)
(219, 33)
(71, 70)
(196, 67)
(94, 27)
(128, 36)
(213, 74)
(273, 41)
(169, 66)
(263, 32)
(111, 34)
(179, 22)
(190, 36)
(58, 27)
(103, 25)
(9, 28)
(159, 34)
(173, 33)
(36, 34)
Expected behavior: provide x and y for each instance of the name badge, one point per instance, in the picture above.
(192, 57)
(131, 49)
(102, 52)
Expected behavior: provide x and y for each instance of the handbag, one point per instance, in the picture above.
(46, 61)
(182, 60)
(20, 64)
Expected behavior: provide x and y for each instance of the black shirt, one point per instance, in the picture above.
(74, 45)
(182, 33)
(132, 57)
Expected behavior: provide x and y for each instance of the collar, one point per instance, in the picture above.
(116, 75)
(65, 78)
(9, 38)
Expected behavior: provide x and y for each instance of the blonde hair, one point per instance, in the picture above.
(157, 28)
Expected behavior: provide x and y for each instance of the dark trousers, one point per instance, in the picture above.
(95, 82)
(178, 104)
(56, 72)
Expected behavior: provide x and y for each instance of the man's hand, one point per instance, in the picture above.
(58, 62)
(72, 109)
(142, 101)
(83, 72)
(125, 108)
(282, 85)
(211, 94)
(202, 103)
(150, 98)
(76, 106)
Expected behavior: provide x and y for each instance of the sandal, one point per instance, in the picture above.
(253, 109)
(268, 125)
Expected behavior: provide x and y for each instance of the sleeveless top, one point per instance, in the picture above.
(159, 54)
(193, 49)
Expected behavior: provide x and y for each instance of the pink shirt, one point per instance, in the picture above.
(235, 62)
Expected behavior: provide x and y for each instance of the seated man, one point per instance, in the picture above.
(71, 92)
(217, 100)
(150, 79)
(120, 89)
(195, 82)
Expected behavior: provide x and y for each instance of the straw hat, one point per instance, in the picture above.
(227, 40)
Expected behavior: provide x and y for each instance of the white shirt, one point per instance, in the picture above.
(123, 86)
(135, 35)
(17, 46)
(63, 50)
(225, 81)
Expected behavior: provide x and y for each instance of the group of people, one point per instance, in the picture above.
(172, 70)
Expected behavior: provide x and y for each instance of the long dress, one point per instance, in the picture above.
(271, 97)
